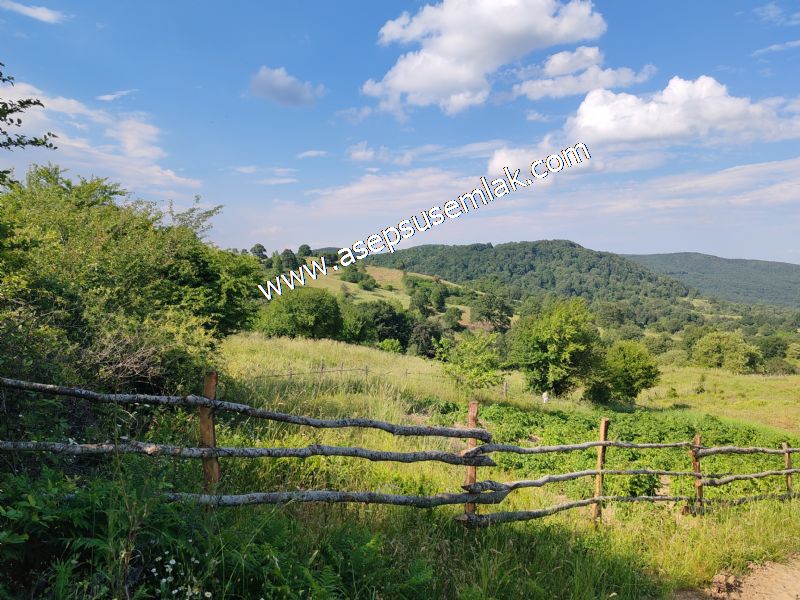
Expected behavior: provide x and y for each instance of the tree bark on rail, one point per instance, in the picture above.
(244, 409)
(135, 447)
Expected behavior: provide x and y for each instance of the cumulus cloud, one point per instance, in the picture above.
(566, 62)
(40, 13)
(278, 86)
(627, 132)
(684, 110)
(462, 42)
(591, 79)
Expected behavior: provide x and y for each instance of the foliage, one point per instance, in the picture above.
(356, 273)
(9, 118)
(452, 318)
(305, 312)
(304, 251)
(494, 310)
(120, 297)
(421, 303)
(474, 363)
(558, 348)
(735, 280)
(524, 267)
(289, 261)
(423, 338)
(391, 345)
(629, 368)
(726, 350)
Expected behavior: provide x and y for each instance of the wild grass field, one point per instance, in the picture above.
(639, 551)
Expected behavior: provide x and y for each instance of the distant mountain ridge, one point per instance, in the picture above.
(559, 266)
(733, 279)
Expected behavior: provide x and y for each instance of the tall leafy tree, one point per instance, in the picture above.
(494, 310)
(557, 349)
(474, 363)
(289, 260)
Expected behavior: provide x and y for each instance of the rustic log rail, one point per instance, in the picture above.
(151, 449)
(244, 409)
(475, 493)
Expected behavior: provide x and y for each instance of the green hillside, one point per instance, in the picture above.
(736, 280)
(560, 266)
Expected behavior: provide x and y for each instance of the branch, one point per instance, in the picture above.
(483, 486)
(526, 515)
(135, 447)
(487, 448)
(737, 450)
(338, 497)
(244, 409)
(715, 481)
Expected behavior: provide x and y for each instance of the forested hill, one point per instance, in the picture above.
(736, 280)
(560, 266)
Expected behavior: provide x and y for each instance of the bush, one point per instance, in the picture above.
(629, 369)
(304, 312)
(778, 366)
(726, 350)
(391, 345)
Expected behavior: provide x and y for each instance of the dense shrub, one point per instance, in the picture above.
(304, 312)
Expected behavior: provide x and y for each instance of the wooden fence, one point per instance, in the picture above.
(475, 455)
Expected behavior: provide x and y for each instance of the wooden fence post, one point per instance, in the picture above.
(472, 472)
(597, 510)
(505, 389)
(366, 371)
(698, 481)
(208, 437)
(787, 463)
(290, 372)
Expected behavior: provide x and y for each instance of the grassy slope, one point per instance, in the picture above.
(384, 276)
(643, 551)
(768, 400)
(737, 280)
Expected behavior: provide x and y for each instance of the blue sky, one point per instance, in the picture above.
(322, 122)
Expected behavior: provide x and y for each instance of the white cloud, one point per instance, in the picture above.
(363, 152)
(123, 147)
(566, 62)
(591, 79)
(462, 42)
(137, 138)
(277, 85)
(40, 13)
(627, 132)
(354, 115)
(247, 169)
(114, 96)
(774, 14)
(312, 154)
(277, 180)
(777, 48)
(535, 116)
(683, 111)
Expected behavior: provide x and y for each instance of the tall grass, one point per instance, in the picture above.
(365, 551)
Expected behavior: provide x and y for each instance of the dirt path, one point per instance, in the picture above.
(770, 581)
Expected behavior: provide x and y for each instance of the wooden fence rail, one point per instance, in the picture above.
(474, 492)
